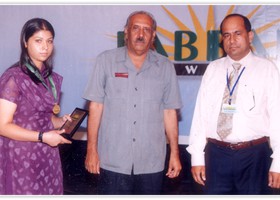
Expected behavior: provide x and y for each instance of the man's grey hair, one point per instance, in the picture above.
(154, 26)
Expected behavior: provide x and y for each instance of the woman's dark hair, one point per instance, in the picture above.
(28, 30)
(247, 23)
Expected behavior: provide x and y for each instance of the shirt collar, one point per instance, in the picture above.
(244, 61)
(123, 57)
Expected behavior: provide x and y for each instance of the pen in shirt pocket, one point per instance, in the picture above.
(253, 101)
(251, 94)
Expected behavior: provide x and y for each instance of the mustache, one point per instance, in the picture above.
(140, 39)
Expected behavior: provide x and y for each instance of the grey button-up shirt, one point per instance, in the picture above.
(132, 133)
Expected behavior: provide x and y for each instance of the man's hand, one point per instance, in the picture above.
(274, 180)
(198, 173)
(174, 167)
(92, 163)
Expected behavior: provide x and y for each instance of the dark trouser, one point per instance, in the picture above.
(111, 183)
(243, 171)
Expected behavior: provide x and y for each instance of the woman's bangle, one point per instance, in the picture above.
(40, 136)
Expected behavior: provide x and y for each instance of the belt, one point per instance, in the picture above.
(239, 145)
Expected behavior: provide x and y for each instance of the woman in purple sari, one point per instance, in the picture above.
(29, 107)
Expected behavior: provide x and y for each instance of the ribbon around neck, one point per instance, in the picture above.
(38, 75)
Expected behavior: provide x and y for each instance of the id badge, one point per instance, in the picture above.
(229, 109)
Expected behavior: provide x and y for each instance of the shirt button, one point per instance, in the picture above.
(134, 122)
(136, 89)
(133, 139)
(134, 105)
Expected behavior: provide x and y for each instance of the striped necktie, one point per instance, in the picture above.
(224, 126)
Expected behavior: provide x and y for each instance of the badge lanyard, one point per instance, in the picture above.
(38, 75)
(234, 85)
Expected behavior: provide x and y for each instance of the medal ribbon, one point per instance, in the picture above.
(38, 75)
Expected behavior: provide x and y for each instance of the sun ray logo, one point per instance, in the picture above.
(192, 50)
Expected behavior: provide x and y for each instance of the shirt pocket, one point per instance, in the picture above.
(116, 88)
(247, 99)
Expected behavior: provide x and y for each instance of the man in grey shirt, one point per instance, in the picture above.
(133, 93)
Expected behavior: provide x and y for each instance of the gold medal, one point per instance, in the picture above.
(56, 109)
